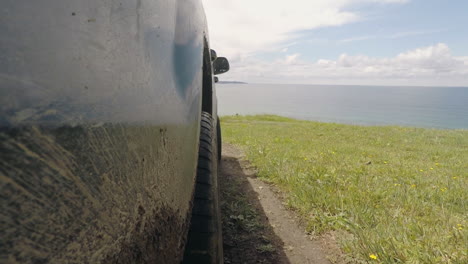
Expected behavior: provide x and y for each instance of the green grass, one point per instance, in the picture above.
(399, 193)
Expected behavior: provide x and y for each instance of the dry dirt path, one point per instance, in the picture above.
(256, 226)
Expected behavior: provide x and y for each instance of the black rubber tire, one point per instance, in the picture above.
(204, 244)
(220, 141)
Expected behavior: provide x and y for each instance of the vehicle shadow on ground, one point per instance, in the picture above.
(248, 236)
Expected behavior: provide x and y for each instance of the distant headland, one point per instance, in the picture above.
(232, 82)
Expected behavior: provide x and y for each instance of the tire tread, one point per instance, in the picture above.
(202, 246)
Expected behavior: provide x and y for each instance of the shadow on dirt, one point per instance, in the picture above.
(248, 236)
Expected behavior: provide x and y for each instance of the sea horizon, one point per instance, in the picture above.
(368, 105)
(318, 84)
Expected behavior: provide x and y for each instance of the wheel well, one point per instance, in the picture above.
(207, 92)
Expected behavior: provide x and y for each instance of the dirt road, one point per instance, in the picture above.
(256, 226)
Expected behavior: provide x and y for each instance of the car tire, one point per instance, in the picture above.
(220, 141)
(204, 244)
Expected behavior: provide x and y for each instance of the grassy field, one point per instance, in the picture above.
(394, 194)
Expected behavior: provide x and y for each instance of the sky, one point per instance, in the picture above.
(357, 42)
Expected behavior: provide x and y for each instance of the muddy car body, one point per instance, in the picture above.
(101, 104)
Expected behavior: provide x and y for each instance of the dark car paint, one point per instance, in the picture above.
(100, 109)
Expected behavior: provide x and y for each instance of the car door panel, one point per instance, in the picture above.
(100, 110)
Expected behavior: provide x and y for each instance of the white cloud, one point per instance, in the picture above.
(291, 59)
(360, 38)
(433, 65)
(241, 27)
(397, 35)
(413, 33)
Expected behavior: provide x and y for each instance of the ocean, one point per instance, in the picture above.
(428, 107)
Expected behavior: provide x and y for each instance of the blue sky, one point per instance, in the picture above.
(387, 30)
(388, 42)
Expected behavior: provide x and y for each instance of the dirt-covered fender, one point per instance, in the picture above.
(100, 106)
